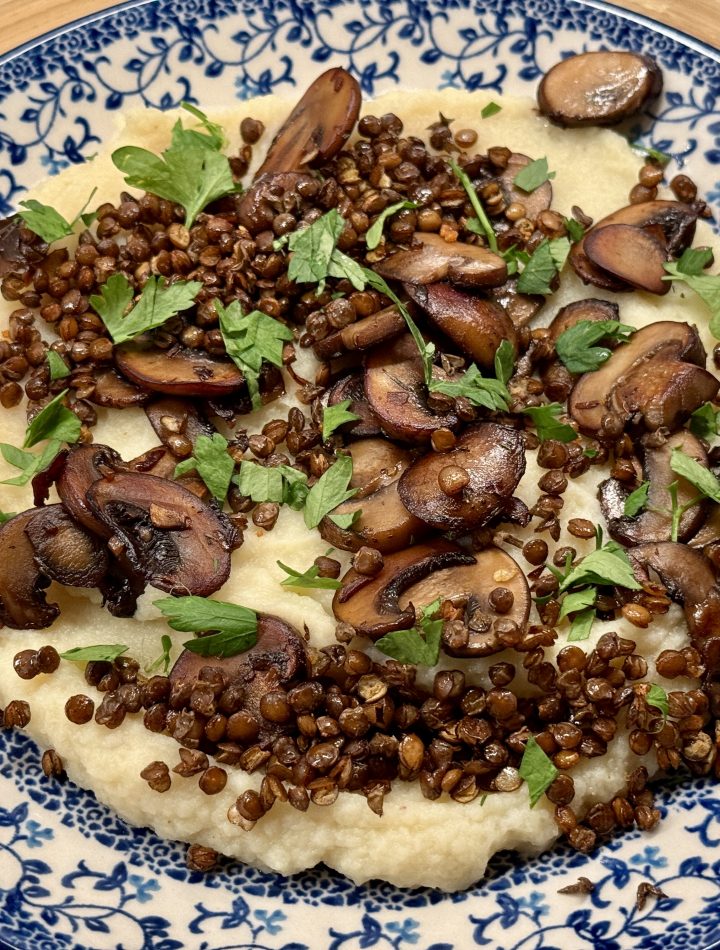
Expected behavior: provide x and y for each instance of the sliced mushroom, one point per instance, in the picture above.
(372, 604)
(191, 557)
(22, 599)
(473, 584)
(114, 392)
(162, 463)
(181, 372)
(654, 522)
(633, 255)
(467, 487)
(599, 88)
(591, 309)
(277, 658)
(363, 334)
(476, 325)
(16, 253)
(318, 126)
(353, 388)
(521, 308)
(591, 398)
(385, 523)
(172, 418)
(664, 392)
(84, 465)
(535, 201)
(396, 393)
(431, 259)
(64, 552)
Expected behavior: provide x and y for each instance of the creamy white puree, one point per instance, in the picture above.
(416, 841)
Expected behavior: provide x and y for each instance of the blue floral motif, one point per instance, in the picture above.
(74, 875)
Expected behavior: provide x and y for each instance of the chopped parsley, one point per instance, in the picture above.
(576, 348)
(530, 177)
(280, 483)
(236, 626)
(689, 269)
(213, 464)
(336, 416)
(308, 579)
(107, 652)
(373, 235)
(48, 223)
(547, 424)
(157, 303)
(420, 644)
(329, 491)
(537, 770)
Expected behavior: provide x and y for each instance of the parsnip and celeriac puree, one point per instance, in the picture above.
(547, 671)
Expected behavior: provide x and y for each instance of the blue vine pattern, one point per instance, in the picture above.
(56, 105)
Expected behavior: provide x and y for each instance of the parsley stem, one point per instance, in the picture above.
(477, 206)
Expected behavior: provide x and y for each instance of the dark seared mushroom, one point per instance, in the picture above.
(385, 523)
(363, 334)
(160, 462)
(664, 392)
(654, 522)
(476, 325)
(672, 221)
(396, 392)
(689, 579)
(83, 465)
(318, 126)
(372, 604)
(64, 552)
(590, 400)
(633, 255)
(173, 418)
(467, 487)
(163, 532)
(521, 308)
(114, 392)
(180, 372)
(598, 88)
(17, 253)
(535, 201)
(431, 259)
(591, 309)
(22, 599)
(353, 388)
(472, 585)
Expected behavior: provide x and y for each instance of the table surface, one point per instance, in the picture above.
(22, 20)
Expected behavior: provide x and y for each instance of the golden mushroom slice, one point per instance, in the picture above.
(431, 259)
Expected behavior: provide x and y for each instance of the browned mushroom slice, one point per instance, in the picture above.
(521, 308)
(318, 126)
(160, 462)
(535, 201)
(164, 532)
(353, 388)
(476, 325)
(468, 486)
(667, 339)
(591, 309)
(173, 419)
(654, 522)
(599, 88)
(22, 600)
(114, 392)
(664, 392)
(260, 204)
(631, 254)
(180, 372)
(472, 584)
(17, 254)
(396, 393)
(432, 259)
(689, 579)
(64, 552)
(372, 604)
(363, 334)
(85, 464)
(385, 523)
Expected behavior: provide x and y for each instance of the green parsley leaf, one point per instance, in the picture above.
(537, 770)
(54, 421)
(236, 626)
(545, 263)
(486, 228)
(704, 421)
(575, 346)
(657, 697)
(533, 175)
(336, 416)
(491, 109)
(504, 361)
(575, 230)
(309, 578)
(281, 484)
(694, 260)
(346, 521)
(329, 491)
(58, 367)
(213, 464)
(702, 478)
(315, 255)
(636, 500)
(606, 566)
(662, 158)
(104, 651)
(547, 426)
(48, 223)
(5, 516)
(490, 393)
(419, 645)
(374, 232)
(29, 464)
(215, 137)
(581, 625)
(589, 452)
(578, 600)
(706, 286)
(192, 171)
(157, 303)
(164, 659)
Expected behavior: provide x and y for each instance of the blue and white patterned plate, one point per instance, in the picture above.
(74, 876)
